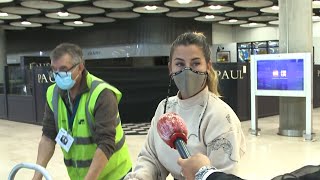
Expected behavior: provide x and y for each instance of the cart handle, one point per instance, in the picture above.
(33, 166)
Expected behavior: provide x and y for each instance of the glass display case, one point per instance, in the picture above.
(19, 80)
(246, 49)
(273, 47)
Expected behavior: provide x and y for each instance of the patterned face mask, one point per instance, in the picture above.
(190, 82)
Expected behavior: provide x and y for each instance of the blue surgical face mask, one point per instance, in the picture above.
(64, 79)
(66, 82)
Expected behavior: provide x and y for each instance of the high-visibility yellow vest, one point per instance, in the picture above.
(81, 153)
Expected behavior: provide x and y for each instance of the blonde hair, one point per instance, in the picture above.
(213, 81)
(198, 39)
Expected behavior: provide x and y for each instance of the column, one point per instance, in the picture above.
(3, 58)
(3, 62)
(295, 36)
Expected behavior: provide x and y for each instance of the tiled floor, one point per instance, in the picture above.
(136, 129)
(268, 155)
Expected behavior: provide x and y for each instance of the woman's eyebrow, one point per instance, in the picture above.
(178, 59)
(194, 59)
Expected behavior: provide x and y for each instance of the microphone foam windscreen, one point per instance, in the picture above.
(170, 127)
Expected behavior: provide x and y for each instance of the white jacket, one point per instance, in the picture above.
(213, 129)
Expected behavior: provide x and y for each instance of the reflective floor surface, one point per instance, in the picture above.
(267, 156)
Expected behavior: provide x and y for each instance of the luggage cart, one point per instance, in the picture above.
(33, 166)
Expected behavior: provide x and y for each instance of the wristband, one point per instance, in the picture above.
(204, 172)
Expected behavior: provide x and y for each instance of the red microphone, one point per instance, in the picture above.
(173, 132)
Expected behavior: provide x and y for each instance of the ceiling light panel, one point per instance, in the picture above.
(88, 10)
(221, 0)
(315, 18)
(182, 14)
(151, 10)
(123, 15)
(315, 4)
(5, 1)
(273, 10)
(253, 4)
(176, 4)
(73, 0)
(8, 27)
(58, 15)
(210, 19)
(253, 25)
(146, 0)
(113, 4)
(99, 19)
(242, 14)
(263, 18)
(209, 16)
(59, 27)
(274, 22)
(20, 10)
(232, 22)
(42, 4)
(25, 24)
(3, 14)
(7, 16)
(43, 20)
(78, 24)
(214, 9)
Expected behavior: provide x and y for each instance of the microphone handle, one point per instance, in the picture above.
(182, 148)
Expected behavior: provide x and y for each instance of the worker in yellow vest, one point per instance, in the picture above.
(81, 115)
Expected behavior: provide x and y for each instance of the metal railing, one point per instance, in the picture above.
(33, 166)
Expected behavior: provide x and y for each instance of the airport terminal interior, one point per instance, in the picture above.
(127, 44)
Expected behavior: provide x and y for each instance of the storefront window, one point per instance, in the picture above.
(273, 47)
(245, 50)
(19, 80)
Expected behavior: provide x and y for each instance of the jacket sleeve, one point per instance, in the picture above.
(222, 176)
(224, 140)
(147, 164)
(48, 124)
(105, 114)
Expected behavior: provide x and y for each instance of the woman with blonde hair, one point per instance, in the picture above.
(213, 127)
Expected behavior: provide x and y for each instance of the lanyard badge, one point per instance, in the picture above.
(64, 139)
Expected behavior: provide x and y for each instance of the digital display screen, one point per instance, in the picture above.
(285, 74)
